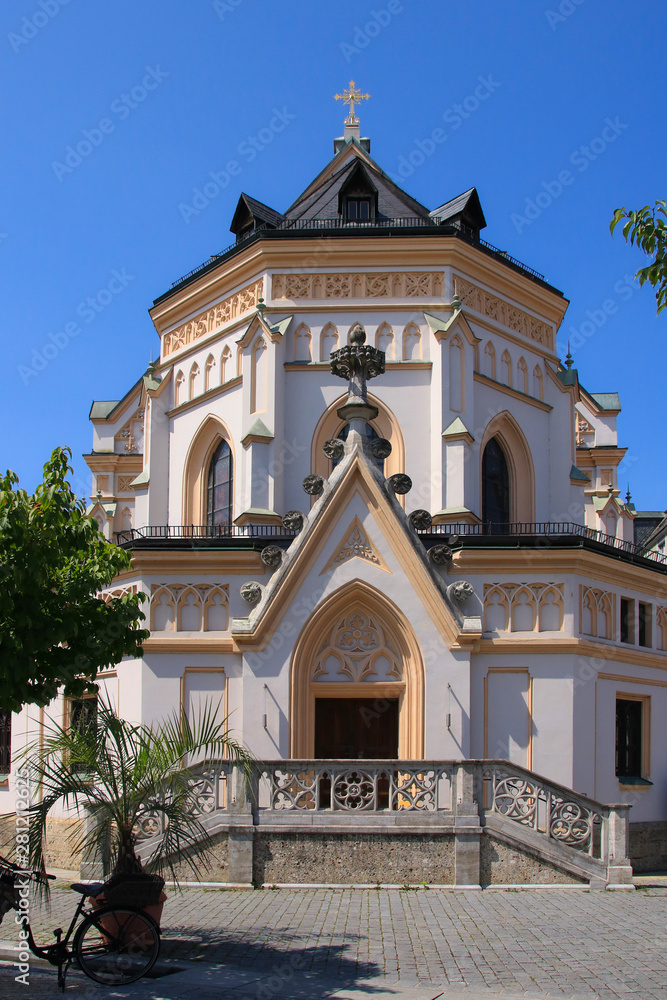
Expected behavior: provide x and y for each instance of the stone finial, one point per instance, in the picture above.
(421, 520)
(251, 592)
(456, 302)
(357, 362)
(313, 485)
(271, 556)
(400, 483)
(569, 361)
(261, 306)
(292, 520)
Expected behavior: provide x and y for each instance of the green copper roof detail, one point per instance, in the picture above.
(576, 473)
(259, 429)
(607, 400)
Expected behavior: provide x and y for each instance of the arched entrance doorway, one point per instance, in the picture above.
(357, 681)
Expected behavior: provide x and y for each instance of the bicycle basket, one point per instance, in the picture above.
(8, 895)
(133, 890)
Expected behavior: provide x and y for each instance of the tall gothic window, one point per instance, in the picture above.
(495, 484)
(219, 495)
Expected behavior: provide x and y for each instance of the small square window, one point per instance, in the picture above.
(358, 209)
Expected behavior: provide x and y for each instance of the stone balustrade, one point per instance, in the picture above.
(458, 806)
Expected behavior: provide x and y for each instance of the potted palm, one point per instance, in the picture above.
(123, 775)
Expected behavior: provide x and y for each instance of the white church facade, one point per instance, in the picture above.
(434, 566)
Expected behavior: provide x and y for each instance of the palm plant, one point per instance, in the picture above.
(126, 774)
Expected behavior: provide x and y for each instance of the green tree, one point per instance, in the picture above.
(55, 628)
(647, 228)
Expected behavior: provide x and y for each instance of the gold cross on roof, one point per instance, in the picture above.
(351, 96)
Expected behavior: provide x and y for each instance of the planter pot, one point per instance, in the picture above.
(110, 923)
(144, 892)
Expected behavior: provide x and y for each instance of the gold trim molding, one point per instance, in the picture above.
(503, 312)
(359, 285)
(206, 322)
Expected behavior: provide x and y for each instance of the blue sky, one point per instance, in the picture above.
(567, 125)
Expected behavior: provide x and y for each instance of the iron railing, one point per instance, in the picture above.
(532, 532)
(359, 227)
(544, 529)
(202, 531)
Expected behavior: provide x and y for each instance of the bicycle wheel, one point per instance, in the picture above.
(117, 945)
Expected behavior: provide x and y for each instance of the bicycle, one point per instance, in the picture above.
(113, 945)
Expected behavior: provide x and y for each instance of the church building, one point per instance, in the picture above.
(376, 517)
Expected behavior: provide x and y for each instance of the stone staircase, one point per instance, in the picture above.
(466, 823)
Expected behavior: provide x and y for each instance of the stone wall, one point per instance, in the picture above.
(505, 865)
(648, 846)
(351, 859)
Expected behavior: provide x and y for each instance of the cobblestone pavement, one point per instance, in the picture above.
(348, 943)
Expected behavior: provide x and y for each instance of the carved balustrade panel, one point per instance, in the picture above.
(368, 786)
(533, 802)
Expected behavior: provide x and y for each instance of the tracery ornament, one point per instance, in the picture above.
(355, 284)
(536, 804)
(359, 647)
(124, 483)
(508, 315)
(356, 544)
(231, 307)
(523, 607)
(597, 612)
(197, 607)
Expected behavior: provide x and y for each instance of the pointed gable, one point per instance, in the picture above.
(465, 210)
(250, 214)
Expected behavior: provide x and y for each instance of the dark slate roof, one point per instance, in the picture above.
(466, 207)
(321, 201)
(249, 209)
(607, 400)
(646, 526)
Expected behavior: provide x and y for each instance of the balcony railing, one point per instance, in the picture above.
(535, 534)
(354, 228)
(539, 534)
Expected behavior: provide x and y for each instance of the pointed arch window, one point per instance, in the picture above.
(495, 484)
(374, 436)
(220, 482)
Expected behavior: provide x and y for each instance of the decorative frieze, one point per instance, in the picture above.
(503, 312)
(359, 285)
(231, 307)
